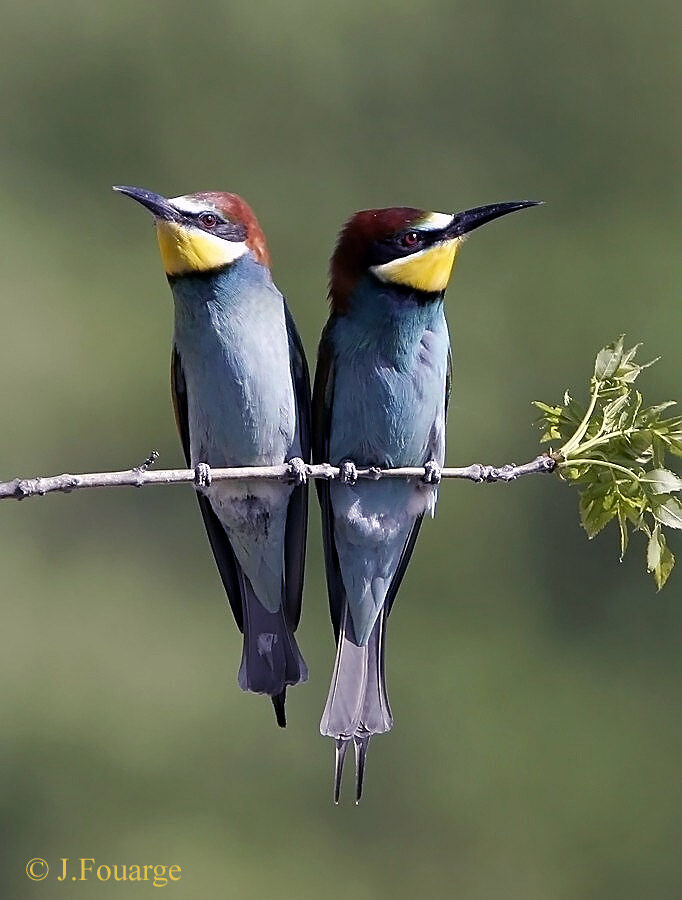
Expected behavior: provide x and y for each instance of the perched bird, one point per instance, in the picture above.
(241, 394)
(380, 397)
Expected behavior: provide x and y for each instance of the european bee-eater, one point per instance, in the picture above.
(380, 398)
(241, 394)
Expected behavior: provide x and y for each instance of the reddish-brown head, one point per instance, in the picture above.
(236, 210)
(203, 231)
(353, 255)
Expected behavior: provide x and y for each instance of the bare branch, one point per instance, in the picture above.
(21, 488)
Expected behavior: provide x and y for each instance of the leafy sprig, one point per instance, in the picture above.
(615, 451)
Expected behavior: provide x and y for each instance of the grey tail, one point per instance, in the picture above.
(271, 659)
(357, 705)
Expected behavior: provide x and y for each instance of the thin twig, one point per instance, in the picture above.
(21, 488)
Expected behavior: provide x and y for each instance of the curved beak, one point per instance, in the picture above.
(466, 221)
(157, 205)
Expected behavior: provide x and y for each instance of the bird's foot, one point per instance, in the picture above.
(298, 471)
(148, 463)
(506, 472)
(348, 472)
(490, 474)
(202, 476)
(432, 474)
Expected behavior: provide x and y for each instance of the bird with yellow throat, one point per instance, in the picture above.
(242, 398)
(380, 398)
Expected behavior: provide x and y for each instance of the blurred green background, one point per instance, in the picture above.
(535, 681)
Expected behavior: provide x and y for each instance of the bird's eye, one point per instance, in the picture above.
(410, 239)
(208, 220)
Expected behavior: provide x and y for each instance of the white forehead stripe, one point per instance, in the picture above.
(189, 204)
(435, 221)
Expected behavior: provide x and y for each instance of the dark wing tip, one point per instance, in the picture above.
(278, 701)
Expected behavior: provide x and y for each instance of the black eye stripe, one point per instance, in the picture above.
(396, 247)
(205, 212)
(228, 231)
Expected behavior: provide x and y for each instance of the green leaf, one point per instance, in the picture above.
(550, 434)
(596, 510)
(641, 443)
(653, 550)
(665, 567)
(634, 412)
(652, 413)
(660, 560)
(662, 481)
(629, 355)
(629, 374)
(676, 444)
(608, 359)
(669, 513)
(623, 527)
(553, 411)
(612, 411)
(616, 450)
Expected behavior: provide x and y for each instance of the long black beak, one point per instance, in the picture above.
(157, 205)
(469, 219)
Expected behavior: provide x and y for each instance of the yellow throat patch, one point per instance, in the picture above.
(185, 250)
(427, 270)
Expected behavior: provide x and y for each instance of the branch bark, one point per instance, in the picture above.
(21, 488)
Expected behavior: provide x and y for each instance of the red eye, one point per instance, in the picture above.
(208, 220)
(411, 239)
